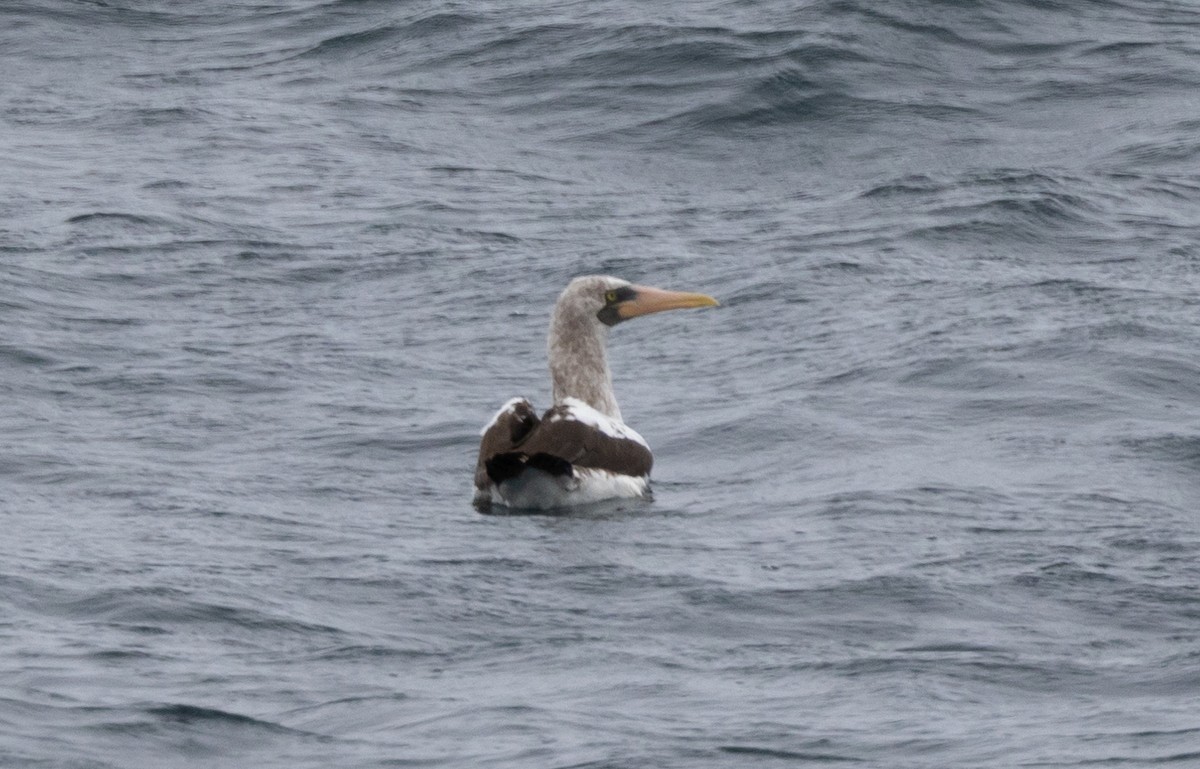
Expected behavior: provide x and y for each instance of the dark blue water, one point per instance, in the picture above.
(926, 485)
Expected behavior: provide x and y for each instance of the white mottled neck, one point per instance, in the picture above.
(578, 361)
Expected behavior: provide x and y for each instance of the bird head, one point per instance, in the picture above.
(612, 300)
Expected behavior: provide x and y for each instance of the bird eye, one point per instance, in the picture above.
(611, 296)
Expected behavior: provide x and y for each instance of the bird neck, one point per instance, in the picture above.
(579, 363)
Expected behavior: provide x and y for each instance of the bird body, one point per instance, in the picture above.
(579, 451)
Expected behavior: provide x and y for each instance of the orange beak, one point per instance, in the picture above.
(647, 300)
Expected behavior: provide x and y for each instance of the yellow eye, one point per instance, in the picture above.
(611, 296)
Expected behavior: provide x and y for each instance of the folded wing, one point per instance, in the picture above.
(568, 437)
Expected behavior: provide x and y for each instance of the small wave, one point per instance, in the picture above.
(998, 207)
(191, 714)
(392, 38)
(905, 186)
(352, 42)
(954, 648)
(1171, 150)
(1170, 376)
(750, 751)
(117, 218)
(157, 607)
(210, 730)
(24, 356)
(1175, 448)
(369, 653)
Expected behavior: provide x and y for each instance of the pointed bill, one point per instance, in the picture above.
(647, 300)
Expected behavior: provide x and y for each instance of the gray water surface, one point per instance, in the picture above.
(926, 484)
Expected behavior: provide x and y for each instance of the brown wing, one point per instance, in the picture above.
(558, 443)
(561, 436)
(512, 425)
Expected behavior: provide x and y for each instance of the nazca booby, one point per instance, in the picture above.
(580, 450)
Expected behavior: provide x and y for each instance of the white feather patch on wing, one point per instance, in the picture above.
(579, 411)
(508, 408)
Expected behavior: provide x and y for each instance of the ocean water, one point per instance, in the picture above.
(927, 485)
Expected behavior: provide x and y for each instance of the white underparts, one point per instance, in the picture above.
(538, 490)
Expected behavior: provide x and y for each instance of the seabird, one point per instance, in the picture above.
(580, 450)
